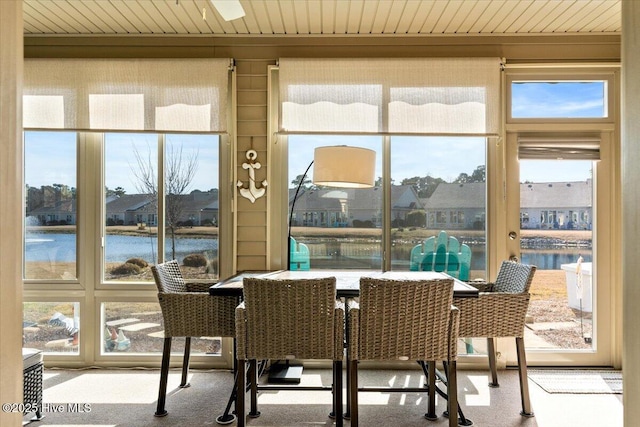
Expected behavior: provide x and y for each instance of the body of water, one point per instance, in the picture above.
(61, 247)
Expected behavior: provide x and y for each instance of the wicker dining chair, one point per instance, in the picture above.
(288, 319)
(188, 311)
(500, 311)
(411, 320)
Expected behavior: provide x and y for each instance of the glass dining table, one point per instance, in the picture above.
(347, 281)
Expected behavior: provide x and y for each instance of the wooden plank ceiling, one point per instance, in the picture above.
(323, 17)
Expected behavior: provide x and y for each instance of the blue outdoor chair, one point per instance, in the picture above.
(299, 259)
(444, 254)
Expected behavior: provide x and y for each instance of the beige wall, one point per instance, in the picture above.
(252, 135)
(10, 214)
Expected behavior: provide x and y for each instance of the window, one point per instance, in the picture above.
(441, 187)
(146, 190)
(559, 99)
(50, 226)
(53, 327)
(339, 226)
(561, 95)
(428, 189)
(131, 227)
(131, 206)
(185, 169)
(191, 204)
(449, 188)
(137, 327)
(561, 246)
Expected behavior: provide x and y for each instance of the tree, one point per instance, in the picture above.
(119, 191)
(480, 174)
(179, 171)
(463, 178)
(424, 186)
(305, 184)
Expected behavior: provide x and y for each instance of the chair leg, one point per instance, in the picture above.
(452, 394)
(253, 383)
(337, 392)
(353, 392)
(185, 363)
(524, 381)
(334, 400)
(241, 392)
(491, 351)
(431, 377)
(164, 376)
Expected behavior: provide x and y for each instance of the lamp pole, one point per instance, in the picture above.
(293, 204)
(279, 372)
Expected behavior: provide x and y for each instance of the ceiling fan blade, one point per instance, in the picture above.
(228, 9)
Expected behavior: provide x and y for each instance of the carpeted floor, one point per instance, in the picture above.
(114, 397)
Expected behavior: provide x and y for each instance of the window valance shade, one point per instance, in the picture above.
(566, 147)
(157, 95)
(451, 96)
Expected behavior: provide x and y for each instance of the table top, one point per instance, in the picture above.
(347, 281)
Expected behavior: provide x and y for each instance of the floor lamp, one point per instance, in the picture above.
(334, 166)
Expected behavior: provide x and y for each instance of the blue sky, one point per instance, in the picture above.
(558, 100)
(411, 156)
(50, 158)
(441, 157)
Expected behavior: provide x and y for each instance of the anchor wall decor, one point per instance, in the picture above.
(253, 192)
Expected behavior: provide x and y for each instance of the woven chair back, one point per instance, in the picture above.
(288, 319)
(514, 277)
(405, 320)
(168, 277)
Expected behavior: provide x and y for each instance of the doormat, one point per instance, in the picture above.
(586, 381)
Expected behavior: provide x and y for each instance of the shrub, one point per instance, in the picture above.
(195, 260)
(362, 224)
(397, 223)
(138, 261)
(110, 222)
(416, 218)
(126, 269)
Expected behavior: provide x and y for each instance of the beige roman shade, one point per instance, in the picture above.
(424, 96)
(155, 95)
(570, 146)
